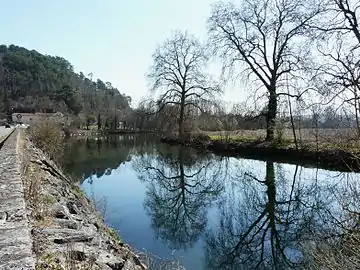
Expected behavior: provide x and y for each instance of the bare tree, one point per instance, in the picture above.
(264, 37)
(350, 11)
(341, 77)
(339, 47)
(178, 75)
(343, 16)
(180, 190)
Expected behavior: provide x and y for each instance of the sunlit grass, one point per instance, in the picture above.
(324, 140)
(231, 138)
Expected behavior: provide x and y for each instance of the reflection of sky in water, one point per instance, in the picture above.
(125, 195)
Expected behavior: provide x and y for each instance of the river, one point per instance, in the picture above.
(212, 212)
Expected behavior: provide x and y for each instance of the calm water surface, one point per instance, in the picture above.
(208, 211)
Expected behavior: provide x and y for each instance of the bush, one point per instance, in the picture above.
(49, 137)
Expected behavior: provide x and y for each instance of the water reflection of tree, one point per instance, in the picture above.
(264, 222)
(181, 187)
(336, 245)
(99, 157)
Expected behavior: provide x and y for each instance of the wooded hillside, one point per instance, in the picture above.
(33, 82)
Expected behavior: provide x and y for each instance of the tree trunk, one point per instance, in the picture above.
(271, 116)
(357, 119)
(357, 113)
(271, 207)
(292, 123)
(181, 119)
(99, 121)
(291, 114)
(182, 184)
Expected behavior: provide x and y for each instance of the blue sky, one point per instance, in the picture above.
(113, 39)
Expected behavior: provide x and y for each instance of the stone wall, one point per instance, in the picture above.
(56, 226)
(31, 118)
(15, 237)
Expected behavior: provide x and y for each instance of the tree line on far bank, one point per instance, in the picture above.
(300, 59)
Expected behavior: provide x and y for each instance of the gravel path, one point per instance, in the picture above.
(15, 240)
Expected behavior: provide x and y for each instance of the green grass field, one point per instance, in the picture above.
(344, 139)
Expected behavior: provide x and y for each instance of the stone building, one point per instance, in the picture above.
(30, 118)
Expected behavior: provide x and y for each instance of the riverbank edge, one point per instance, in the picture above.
(67, 228)
(3, 139)
(83, 133)
(335, 160)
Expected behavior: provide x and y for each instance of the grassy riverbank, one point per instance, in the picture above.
(332, 150)
(315, 139)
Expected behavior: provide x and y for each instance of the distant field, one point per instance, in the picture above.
(305, 135)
